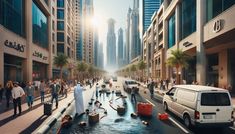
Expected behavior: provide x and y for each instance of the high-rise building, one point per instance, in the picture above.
(79, 44)
(120, 55)
(149, 7)
(87, 31)
(100, 56)
(135, 46)
(66, 29)
(111, 45)
(26, 40)
(96, 46)
(128, 47)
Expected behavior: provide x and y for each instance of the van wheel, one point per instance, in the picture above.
(165, 106)
(187, 121)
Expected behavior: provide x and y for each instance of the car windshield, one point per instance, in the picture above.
(215, 99)
(131, 82)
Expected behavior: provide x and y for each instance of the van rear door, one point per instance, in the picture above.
(215, 107)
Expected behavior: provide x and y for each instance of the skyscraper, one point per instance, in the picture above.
(79, 44)
(111, 45)
(87, 31)
(96, 43)
(134, 32)
(120, 56)
(149, 7)
(128, 36)
(100, 56)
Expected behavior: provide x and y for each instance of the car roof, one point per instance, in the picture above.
(130, 80)
(199, 88)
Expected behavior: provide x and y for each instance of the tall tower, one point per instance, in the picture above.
(149, 7)
(100, 56)
(111, 45)
(134, 32)
(120, 48)
(128, 36)
(87, 31)
(79, 44)
(96, 43)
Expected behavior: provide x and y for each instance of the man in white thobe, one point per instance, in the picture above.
(79, 99)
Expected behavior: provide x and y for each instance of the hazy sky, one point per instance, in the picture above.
(116, 9)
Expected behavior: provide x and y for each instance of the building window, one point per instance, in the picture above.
(53, 11)
(60, 37)
(12, 15)
(53, 25)
(60, 48)
(40, 27)
(60, 13)
(53, 36)
(68, 51)
(216, 7)
(171, 31)
(68, 40)
(60, 3)
(53, 49)
(188, 18)
(60, 25)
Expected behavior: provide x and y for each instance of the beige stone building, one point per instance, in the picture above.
(201, 28)
(29, 38)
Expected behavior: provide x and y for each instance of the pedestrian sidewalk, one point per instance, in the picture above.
(29, 119)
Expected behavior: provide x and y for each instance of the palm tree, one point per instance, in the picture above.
(133, 68)
(142, 66)
(178, 60)
(60, 61)
(82, 67)
(91, 70)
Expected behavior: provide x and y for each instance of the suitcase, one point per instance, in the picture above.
(93, 118)
(121, 110)
(47, 108)
(144, 109)
(118, 92)
(163, 116)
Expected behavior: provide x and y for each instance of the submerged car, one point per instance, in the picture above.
(129, 84)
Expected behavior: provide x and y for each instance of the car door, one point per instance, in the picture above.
(169, 98)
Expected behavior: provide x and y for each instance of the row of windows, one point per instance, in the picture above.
(61, 49)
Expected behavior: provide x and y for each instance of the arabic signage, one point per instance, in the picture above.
(14, 45)
(39, 55)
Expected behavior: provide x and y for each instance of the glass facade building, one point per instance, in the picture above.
(215, 7)
(187, 18)
(60, 25)
(149, 7)
(60, 48)
(60, 13)
(60, 37)
(40, 27)
(12, 15)
(60, 3)
(171, 31)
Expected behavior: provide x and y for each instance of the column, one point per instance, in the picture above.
(1, 65)
(28, 63)
(177, 26)
(201, 56)
(49, 67)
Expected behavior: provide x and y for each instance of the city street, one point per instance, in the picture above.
(114, 123)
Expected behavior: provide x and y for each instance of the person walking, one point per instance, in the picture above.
(42, 90)
(29, 91)
(8, 88)
(66, 88)
(133, 91)
(97, 91)
(17, 93)
(151, 88)
(55, 89)
(1, 93)
(78, 95)
(167, 83)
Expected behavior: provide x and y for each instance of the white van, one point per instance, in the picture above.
(200, 105)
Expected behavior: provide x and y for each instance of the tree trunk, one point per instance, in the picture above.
(177, 76)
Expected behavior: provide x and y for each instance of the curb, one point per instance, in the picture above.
(54, 119)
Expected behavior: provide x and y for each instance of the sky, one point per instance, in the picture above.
(105, 9)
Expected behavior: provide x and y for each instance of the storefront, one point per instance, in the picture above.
(231, 70)
(39, 71)
(13, 68)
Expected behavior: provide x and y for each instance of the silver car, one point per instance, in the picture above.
(129, 84)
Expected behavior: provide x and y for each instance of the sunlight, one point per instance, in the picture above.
(95, 21)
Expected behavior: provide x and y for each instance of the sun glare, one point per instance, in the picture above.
(95, 21)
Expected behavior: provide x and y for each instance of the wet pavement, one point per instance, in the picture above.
(113, 123)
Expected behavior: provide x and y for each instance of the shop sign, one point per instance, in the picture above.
(14, 45)
(217, 26)
(39, 55)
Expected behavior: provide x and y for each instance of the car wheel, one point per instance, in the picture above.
(187, 121)
(165, 106)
